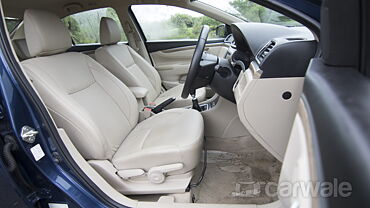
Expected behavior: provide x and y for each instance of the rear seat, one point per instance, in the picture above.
(20, 45)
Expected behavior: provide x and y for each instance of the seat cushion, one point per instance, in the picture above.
(180, 102)
(173, 136)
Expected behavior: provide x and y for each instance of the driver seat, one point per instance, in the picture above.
(133, 70)
(100, 115)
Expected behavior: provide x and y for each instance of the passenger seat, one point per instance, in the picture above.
(135, 71)
(100, 115)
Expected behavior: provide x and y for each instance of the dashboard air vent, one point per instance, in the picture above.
(266, 50)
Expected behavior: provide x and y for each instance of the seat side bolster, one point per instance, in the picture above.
(115, 88)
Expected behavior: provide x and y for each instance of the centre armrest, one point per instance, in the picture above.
(139, 92)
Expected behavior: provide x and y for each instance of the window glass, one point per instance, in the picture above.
(162, 22)
(84, 26)
(12, 23)
(251, 11)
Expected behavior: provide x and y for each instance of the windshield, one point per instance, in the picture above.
(252, 12)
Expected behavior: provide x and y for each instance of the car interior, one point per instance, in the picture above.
(171, 122)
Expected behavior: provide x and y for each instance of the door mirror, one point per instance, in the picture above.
(221, 31)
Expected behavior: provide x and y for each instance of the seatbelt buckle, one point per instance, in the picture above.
(145, 113)
(147, 109)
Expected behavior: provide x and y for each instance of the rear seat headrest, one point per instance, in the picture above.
(21, 49)
(109, 31)
(45, 33)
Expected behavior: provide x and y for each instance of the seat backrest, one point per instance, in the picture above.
(124, 62)
(92, 105)
(20, 44)
(20, 47)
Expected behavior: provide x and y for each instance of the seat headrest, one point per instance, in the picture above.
(45, 33)
(109, 31)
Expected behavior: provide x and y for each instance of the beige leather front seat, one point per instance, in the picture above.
(100, 115)
(133, 70)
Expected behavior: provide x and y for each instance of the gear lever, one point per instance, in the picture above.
(195, 102)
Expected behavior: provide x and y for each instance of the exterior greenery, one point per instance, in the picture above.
(253, 12)
(188, 27)
(12, 23)
(84, 27)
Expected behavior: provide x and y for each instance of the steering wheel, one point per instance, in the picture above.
(195, 61)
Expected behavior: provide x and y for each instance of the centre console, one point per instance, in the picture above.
(209, 104)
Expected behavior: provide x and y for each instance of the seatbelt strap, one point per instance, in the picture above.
(131, 37)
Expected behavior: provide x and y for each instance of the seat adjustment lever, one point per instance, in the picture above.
(126, 174)
(157, 174)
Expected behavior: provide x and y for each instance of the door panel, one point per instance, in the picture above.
(338, 98)
(173, 64)
(159, 45)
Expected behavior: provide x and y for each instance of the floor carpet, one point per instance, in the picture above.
(238, 173)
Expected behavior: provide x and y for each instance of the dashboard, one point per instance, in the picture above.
(279, 51)
(274, 51)
(270, 64)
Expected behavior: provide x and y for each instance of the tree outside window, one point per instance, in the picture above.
(84, 26)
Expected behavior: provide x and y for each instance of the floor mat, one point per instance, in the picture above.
(238, 177)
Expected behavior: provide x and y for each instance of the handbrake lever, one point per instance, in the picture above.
(159, 108)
